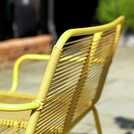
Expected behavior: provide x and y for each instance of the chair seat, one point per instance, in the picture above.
(9, 121)
(23, 116)
(7, 130)
(16, 98)
(15, 95)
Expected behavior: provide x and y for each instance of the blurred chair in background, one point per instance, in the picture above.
(32, 17)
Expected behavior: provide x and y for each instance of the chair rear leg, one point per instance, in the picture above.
(97, 120)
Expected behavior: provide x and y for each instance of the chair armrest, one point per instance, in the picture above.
(19, 107)
(19, 61)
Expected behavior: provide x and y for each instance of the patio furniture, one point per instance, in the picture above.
(71, 85)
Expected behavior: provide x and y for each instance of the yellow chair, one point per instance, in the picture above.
(71, 85)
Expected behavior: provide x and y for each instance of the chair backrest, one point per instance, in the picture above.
(75, 74)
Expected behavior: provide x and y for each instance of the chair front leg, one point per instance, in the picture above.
(97, 120)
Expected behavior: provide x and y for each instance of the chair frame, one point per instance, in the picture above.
(53, 59)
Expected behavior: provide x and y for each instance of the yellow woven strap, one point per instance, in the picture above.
(56, 130)
(13, 123)
(98, 61)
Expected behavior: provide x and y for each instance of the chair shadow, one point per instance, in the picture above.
(125, 123)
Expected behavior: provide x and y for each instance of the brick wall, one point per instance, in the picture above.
(10, 50)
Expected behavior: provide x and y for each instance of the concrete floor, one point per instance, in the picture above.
(117, 99)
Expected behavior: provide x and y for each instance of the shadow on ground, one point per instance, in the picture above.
(125, 123)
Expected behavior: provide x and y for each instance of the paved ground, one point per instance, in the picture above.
(116, 106)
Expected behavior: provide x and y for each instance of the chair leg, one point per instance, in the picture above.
(97, 120)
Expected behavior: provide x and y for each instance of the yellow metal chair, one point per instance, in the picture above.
(71, 85)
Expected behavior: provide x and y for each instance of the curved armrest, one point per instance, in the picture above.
(19, 107)
(19, 61)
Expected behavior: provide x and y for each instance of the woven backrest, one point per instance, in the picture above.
(76, 80)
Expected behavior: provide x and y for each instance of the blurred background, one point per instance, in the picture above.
(32, 26)
(24, 18)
